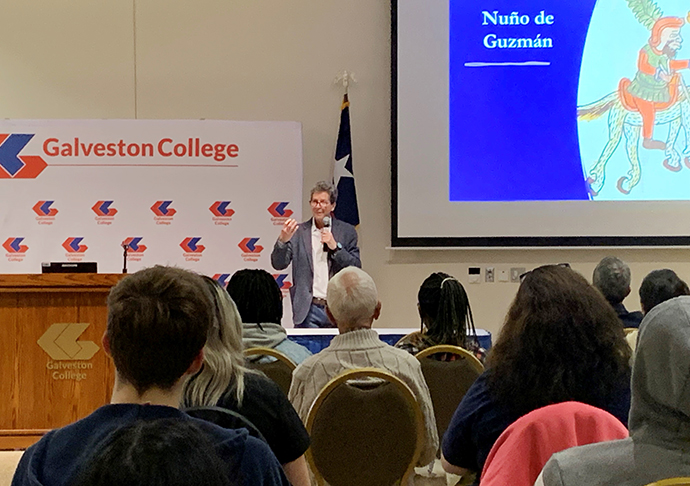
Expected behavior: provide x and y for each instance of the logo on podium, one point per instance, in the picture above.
(60, 342)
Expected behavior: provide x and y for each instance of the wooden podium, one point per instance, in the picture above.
(52, 365)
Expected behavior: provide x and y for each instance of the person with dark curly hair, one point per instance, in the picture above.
(260, 303)
(561, 341)
(446, 315)
(659, 286)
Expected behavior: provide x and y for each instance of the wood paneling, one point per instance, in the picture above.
(40, 392)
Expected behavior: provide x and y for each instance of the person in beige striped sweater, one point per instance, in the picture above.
(353, 305)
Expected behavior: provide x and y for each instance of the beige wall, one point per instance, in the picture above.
(257, 60)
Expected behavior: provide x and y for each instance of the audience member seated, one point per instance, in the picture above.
(659, 416)
(260, 302)
(164, 452)
(224, 381)
(158, 320)
(612, 277)
(561, 341)
(353, 305)
(446, 316)
(519, 454)
(659, 286)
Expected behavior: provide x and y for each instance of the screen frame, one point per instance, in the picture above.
(491, 241)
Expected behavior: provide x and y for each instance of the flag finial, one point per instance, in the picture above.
(345, 78)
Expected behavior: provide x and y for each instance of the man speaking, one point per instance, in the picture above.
(318, 249)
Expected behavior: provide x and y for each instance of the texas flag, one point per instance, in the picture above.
(343, 174)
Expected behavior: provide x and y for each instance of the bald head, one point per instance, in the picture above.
(353, 301)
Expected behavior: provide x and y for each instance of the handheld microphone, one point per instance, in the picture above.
(327, 225)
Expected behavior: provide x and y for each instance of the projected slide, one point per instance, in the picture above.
(569, 100)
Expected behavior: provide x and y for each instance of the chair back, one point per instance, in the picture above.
(366, 428)
(223, 417)
(8, 464)
(671, 482)
(448, 381)
(279, 370)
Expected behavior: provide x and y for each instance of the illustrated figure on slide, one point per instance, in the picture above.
(656, 96)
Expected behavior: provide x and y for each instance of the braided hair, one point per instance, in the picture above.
(445, 310)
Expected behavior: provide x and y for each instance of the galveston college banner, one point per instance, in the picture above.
(205, 195)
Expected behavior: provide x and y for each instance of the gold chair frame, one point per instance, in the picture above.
(368, 373)
(672, 482)
(264, 351)
(447, 348)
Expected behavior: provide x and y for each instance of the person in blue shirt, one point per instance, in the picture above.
(158, 321)
(561, 341)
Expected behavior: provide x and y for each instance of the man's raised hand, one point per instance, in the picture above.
(289, 228)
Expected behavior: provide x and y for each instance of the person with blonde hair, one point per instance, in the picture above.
(226, 382)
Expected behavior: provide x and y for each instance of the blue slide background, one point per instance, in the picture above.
(513, 129)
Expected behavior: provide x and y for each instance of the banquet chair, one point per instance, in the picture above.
(366, 428)
(278, 369)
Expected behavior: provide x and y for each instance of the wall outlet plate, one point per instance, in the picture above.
(515, 273)
(503, 276)
(489, 274)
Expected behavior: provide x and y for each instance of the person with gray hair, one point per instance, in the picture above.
(353, 305)
(318, 249)
(612, 277)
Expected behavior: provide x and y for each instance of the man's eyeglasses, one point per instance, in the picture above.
(524, 275)
(324, 202)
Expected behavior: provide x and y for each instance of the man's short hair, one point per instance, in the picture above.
(659, 286)
(352, 297)
(612, 278)
(324, 186)
(158, 320)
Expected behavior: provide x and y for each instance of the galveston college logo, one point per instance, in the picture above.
(192, 248)
(68, 356)
(222, 214)
(135, 250)
(75, 250)
(104, 213)
(15, 166)
(45, 214)
(283, 283)
(250, 250)
(279, 213)
(15, 250)
(163, 212)
(222, 278)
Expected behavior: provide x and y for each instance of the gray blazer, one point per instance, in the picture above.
(298, 251)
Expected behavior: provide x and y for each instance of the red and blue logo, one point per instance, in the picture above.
(15, 166)
(281, 281)
(222, 278)
(191, 245)
(73, 245)
(278, 210)
(102, 208)
(42, 208)
(221, 209)
(134, 244)
(163, 209)
(14, 245)
(249, 245)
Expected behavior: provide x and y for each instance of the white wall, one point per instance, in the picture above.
(257, 60)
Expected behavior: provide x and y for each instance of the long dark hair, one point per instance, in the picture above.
(445, 310)
(561, 341)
